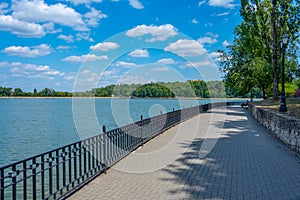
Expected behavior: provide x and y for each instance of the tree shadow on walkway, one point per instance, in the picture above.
(246, 163)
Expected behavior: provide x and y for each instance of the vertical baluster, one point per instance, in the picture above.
(14, 182)
(89, 157)
(24, 181)
(50, 173)
(42, 176)
(104, 148)
(2, 183)
(142, 124)
(70, 165)
(97, 152)
(84, 159)
(80, 159)
(75, 162)
(57, 171)
(34, 178)
(64, 167)
(93, 154)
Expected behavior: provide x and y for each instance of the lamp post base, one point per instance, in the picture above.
(282, 107)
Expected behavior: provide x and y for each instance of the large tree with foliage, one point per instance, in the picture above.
(254, 57)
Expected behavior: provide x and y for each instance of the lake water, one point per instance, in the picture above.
(30, 126)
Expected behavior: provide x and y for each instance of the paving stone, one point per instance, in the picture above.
(245, 163)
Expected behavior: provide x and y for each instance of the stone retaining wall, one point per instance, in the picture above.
(285, 128)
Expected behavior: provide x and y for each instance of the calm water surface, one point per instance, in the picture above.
(31, 126)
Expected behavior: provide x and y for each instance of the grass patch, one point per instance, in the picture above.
(292, 104)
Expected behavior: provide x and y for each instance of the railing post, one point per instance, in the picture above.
(142, 124)
(2, 184)
(104, 148)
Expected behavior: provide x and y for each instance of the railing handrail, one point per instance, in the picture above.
(79, 157)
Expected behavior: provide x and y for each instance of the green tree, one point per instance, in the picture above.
(252, 59)
(18, 92)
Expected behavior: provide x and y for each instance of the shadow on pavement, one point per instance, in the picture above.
(246, 163)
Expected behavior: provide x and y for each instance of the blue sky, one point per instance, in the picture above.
(81, 44)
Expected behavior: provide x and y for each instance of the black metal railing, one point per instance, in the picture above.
(57, 173)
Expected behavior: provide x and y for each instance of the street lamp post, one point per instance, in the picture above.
(284, 42)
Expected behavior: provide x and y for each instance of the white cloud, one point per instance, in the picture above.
(93, 17)
(136, 4)
(204, 63)
(33, 71)
(214, 54)
(125, 64)
(195, 21)
(84, 58)
(139, 53)
(49, 28)
(186, 48)
(77, 2)
(69, 77)
(223, 14)
(105, 46)
(3, 8)
(158, 33)
(40, 50)
(21, 28)
(38, 11)
(222, 3)
(68, 38)
(63, 47)
(201, 3)
(160, 69)
(207, 40)
(208, 25)
(226, 43)
(84, 36)
(166, 61)
(4, 64)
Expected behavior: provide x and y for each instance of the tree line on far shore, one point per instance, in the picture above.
(191, 88)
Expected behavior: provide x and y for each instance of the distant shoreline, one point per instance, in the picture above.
(184, 98)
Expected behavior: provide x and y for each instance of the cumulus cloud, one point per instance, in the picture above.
(21, 28)
(40, 50)
(201, 3)
(125, 64)
(84, 36)
(77, 2)
(158, 33)
(160, 69)
(204, 63)
(38, 11)
(139, 53)
(186, 48)
(136, 4)
(223, 14)
(207, 40)
(226, 43)
(166, 61)
(93, 17)
(68, 38)
(222, 3)
(104, 46)
(33, 71)
(3, 8)
(85, 58)
(195, 21)
(61, 47)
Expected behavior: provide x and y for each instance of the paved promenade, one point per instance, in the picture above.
(246, 162)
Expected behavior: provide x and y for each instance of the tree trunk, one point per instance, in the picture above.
(274, 48)
(265, 93)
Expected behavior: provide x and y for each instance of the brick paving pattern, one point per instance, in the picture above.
(245, 163)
